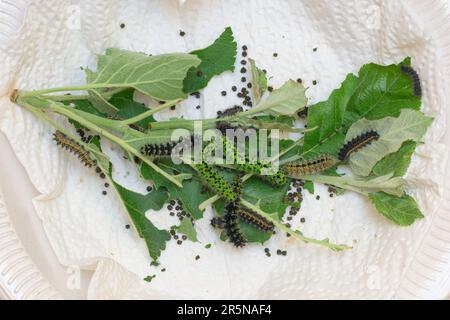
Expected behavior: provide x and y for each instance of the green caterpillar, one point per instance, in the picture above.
(216, 182)
(278, 178)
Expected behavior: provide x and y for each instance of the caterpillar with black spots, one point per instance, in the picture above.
(301, 168)
(255, 219)
(357, 143)
(415, 79)
(75, 148)
(217, 182)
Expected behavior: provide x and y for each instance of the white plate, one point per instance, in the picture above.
(30, 270)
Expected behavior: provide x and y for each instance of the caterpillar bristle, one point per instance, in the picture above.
(74, 147)
(231, 225)
(415, 79)
(255, 219)
(301, 168)
(357, 143)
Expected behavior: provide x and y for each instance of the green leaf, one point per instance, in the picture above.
(137, 205)
(410, 125)
(160, 77)
(401, 210)
(215, 59)
(191, 195)
(397, 162)
(309, 185)
(100, 102)
(187, 228)
(86, 106)
(128, 108)
(259, 81)
(287, 101)
(386, 183)
(328, 117)
(377, 92)
(269, 197)
(382, 91)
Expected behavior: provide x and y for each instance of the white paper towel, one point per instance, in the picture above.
(84, 227)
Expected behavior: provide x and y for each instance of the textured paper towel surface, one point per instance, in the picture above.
(85, 227)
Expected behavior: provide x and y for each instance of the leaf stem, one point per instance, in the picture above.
(150, 112)
(85, 87)
(61, 109)
(296, 234)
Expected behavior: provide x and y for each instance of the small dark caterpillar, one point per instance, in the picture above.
(415, 78)
(255, 219)
(304, 113)
(357, 143)
(229, 112)
(230, 222)
(75, 148)
(158, 150)
(216, 182)
(278, 178)
(308, 167)
(164, 149)
(237, 185)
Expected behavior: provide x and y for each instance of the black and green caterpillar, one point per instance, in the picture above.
(278, 178)
(217, 182)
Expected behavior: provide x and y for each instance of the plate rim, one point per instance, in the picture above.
(20, 278)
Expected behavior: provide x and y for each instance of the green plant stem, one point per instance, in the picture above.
(56, 107)
(87, 87)
(334, 182)
(208, 202)
(148, 113)
(296, 234)
(42, 116)
(66, 97)
(114, 139)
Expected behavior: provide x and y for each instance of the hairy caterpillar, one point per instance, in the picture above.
(229, 112)
(255, 219)
(415, 79)
(307, 167)
(158, 150)
(164, 149)
(278, 178)
(216, 182)
(74, 147)
(357, 143)
(230, 223)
